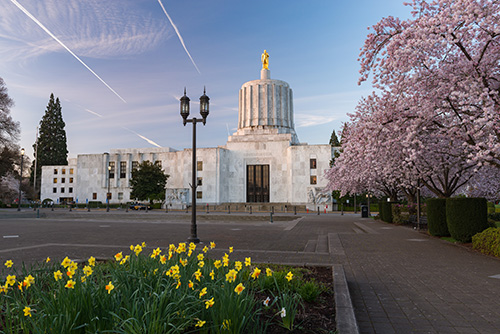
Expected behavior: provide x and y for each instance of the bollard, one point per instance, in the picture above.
(52, 207)
(325, 210)
(342, 208)
(147, 208)
(272, 209)
(271, 217)
(126, 208)
(229, 209)
(70, 208)
(307, 210)
(250, 210)
(37, 213)
(295, 210)
(207, 207)
(318, 210)
(166, 208)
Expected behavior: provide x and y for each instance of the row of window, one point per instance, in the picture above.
(63, 180)
(63, 171)
(70, 190)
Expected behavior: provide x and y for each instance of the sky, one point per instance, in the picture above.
(119, 67)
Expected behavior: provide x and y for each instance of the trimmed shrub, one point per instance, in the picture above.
(466, 217)
(488, 241)
(491, 207)
(436, 217)
(385, 211)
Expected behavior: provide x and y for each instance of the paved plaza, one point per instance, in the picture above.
(400, 280)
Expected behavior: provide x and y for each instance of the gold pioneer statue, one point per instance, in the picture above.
(265, 60)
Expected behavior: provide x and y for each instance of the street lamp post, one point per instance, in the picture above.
(20, 181)
(107, 194)
(185, 113)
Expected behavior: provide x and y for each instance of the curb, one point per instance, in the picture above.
(344, 311)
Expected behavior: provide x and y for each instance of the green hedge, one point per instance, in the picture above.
(466, 217)
(488, 241)
(385, 211)
(436, 217)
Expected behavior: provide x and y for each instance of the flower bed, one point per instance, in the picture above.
(179, 290)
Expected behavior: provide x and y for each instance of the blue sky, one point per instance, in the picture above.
(143, 67)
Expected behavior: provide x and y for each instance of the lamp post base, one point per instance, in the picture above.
(194, 240)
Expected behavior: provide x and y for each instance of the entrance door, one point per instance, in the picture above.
(258, 183)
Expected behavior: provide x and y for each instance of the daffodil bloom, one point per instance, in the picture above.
(9, 263)
(239, 288)
(205, 249)
(217, 264)
(197, 274)
(27, 311)
(212, 245)
(137, 250)
(209, 303)
(183, 262)
(230, 249)
(171, 248)
(266, 302)
(269, 272)
(178, 284)
(212, 275)
(238, 265)
(87, 270)
(83, 278)
(20, 285)
(163, 259)
(289, 276)
(225, 260)
(73, 266)
(170, 254)
(256, 273)
(91, 261)
(66, 262)
(192, 246)
(282, 313)
(143, 244)
(119, 256)
(70, 273)
(131, 247)
(58, 275)
(203, 292)
(181, 248)
(47, 260)
(29, 280)
(200, 257)
(156, 252)
(70, 284)
(191, 285)
(200, 323)
(109, 287)
(4, 288)
(190, 252)
(248, 261)
(226, 324)
(201, 264)
(11, 280)
(231, 275)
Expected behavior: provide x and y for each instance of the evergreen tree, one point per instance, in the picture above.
(52, 147)
(334, 140)
(9, 134)
(148, 182)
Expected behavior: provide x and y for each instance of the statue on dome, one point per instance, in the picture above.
(265, 60)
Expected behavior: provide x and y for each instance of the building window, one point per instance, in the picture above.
(71, 171)
(63, 180)
(199, 194)
(55, 180)
(62, 190)
(94, 195)
(123, 169)
(158, 163)
(199, 181)
(199, 166)
(112, 170)
(54, 190)
(120, 195)
(55, 171)
(135, 164)
(70, 190)
(313, 179)
(312, 163)
(70, 180)
(63, 171)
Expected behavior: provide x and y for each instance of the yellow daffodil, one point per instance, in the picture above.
(226, 324)
(209, 303)
(256, 273)
(171, 248)
(203, 292)
(109, 287)
(91, 261)
(70, 273)
(184, 262)
(212, 245)
(119, 256)
(201, 264)
(192, 246)
(143, 244)
(289, 276)
(231, 275)
(190, 252)
(178, 284)
(66, 262)
(9, 263)
(225, 262)
(70, 284)
(58, 275)
(191, 285)
(163, 259)
(197, 274)
(248, 261)
(205, 249)
(137, 250)
(87, 270)
(181, 248)
(131, 247)
(212, 275)
(231, 249)
(200, 323)
(170, 254)
(200, 257)
(239, 288)
(269, 272)
(156, 252)
(11, 280)
(47, 260)
(238, 265)
(20, 285)
(27, 311)
(4, 288)
(217, 264)
(29, 280)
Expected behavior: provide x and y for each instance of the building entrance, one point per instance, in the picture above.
(258, 183)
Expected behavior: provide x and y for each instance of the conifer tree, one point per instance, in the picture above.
(52, 148)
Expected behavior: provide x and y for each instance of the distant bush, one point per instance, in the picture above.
(465, 217)
(95, 204)
(494, 216)
(385, 211)
(488, 241)
(491, 207)
(436, 217)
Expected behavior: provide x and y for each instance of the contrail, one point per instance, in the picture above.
(178, 35)
(94, 113)
(63, 45)
(141, 136)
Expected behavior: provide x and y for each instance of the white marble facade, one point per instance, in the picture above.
(265, 137)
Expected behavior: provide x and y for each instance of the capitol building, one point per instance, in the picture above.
(262, 162)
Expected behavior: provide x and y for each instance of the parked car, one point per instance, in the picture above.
(139, 206)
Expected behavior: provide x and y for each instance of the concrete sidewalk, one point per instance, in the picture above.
(400, 280)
